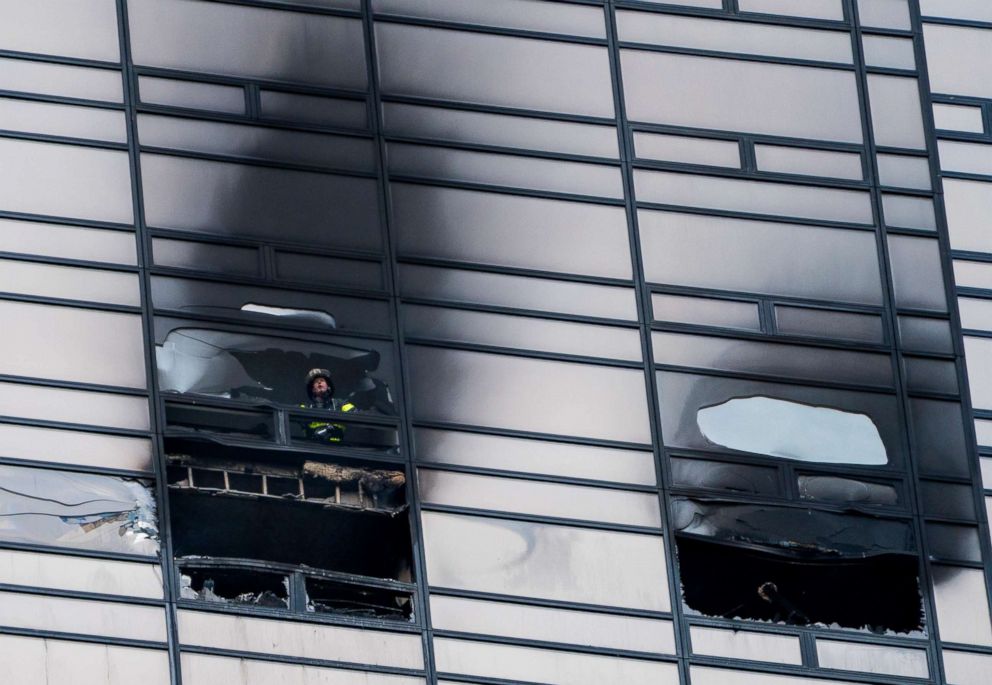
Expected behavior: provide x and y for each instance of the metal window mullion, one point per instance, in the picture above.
(643, 294)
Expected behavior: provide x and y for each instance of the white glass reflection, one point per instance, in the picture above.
(538, 498)
(552, 625)
(301, 640)
(789, 430)
(546, 561)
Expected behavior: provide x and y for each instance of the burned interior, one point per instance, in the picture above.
(788, 505)
(287, 530)
(284, 489)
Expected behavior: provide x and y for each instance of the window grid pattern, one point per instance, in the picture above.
(445, 202)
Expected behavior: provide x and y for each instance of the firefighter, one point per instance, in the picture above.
(320, 391)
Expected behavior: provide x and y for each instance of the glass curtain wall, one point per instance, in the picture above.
(636, 323)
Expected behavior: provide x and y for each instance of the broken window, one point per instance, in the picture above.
(790, 430)
(252, 368)
(77, 510)
(797, 566)
(280, 529)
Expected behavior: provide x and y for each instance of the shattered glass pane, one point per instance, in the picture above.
(79, 510)
(241, 586)
(268, 369)
(330, 597)
(790, 430)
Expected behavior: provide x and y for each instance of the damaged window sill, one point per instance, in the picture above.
(289, 591)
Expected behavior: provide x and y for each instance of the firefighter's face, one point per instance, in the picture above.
(319, 387)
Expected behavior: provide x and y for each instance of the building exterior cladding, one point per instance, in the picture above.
(591, 269)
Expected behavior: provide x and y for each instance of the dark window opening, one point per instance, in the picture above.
(244, 519)
(797, 565)
(880, 593)
(235, 586)
(332, 597)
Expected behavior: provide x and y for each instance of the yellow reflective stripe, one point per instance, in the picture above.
(347, 406)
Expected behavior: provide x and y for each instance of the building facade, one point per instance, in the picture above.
(658, 336)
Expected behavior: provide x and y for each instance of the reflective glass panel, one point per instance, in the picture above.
(68, 282)
(69, 242)
(824, 323)
(753, 197)
(858, 656)
(211, 257)
(890, 14)
(970, 158)
(83, 616)
(45, 78)
(511, 230)
(958, 118)
(704, 311)
(546, 561)
(774, 359)
(40, 661)
(523, 664)
(741, 644)
(312, 109)
(506, 70)
(807, 162)
(760, 257)
(926, 335)
(967, 668)
(505, 170)
(552, 625)
(702, 151)
(211, 97)
(542, 457)
(967, 203)
(962, 605)
(917, 273)
(538, 498)
(938, 430)
(948, 47)
(65, 180)
(730, 36)
(909, 212)
(68, 121)
(535, 294)
(499, 129)
(885, 51)
(530, 15)
(87, 30)
(251, 42)
(255, 142)
(521, 332)
(895, 111)
(80, 574)
(203, 669)
(973, 274)
(484, 389)
(64, 343)
(814, 9)
(732, 95)
(259, 202)
(75, 406)
(302, 640)
(903, 172)
(73, 447)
